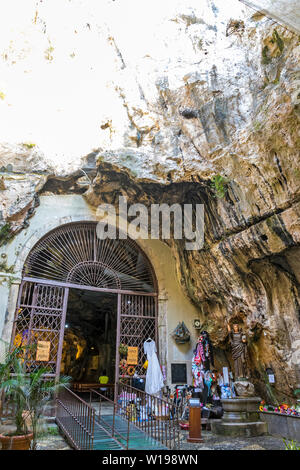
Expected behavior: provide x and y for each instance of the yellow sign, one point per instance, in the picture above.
(43, 351)
(132, 355)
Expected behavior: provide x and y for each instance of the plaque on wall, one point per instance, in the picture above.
(43, 351)
(178, 373)
(132, 355)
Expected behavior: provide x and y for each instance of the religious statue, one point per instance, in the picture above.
(238, 342)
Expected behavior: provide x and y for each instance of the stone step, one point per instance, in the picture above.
(246, 429)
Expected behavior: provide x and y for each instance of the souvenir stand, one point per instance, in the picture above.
(133, 403)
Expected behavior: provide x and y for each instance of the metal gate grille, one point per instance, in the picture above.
(74, 254)
(40, 316)
(138, 322)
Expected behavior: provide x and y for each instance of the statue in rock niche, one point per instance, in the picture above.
(238, 341)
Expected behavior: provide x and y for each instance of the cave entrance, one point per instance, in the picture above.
(90, 334)
(71, 275)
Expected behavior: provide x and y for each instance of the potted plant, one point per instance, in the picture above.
(29, 393)
(12, 384)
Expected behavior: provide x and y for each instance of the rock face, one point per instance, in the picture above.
(286, 12)
(207, 112)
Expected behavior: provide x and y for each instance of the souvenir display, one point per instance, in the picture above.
(202, 360)
(203, 354)
(123, 366)
(130, 370)
(131, 411)
(143, 413)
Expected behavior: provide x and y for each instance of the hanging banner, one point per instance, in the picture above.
(132, 355)
(43, 351)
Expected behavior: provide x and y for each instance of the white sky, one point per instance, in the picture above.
(59, 105)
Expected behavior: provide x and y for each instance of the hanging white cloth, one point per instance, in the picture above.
(154, 377)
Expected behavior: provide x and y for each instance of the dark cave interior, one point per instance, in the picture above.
(89, 346)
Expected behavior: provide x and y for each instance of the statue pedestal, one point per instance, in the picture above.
(241, 418)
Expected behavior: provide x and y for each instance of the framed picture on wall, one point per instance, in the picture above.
(178, 374)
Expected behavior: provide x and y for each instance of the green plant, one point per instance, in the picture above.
(48, 52)
(39, 393)
(257, 126)
(29, 145)
(219, 185)
(100, 159)
(265, 59)
(30, 393)
(6, 269)
(12, 382)
(4, 233)
(274, 49)
(53, 431)
(278, 40)
(47, 431)
(291, 445)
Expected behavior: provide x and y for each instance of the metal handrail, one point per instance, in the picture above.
(76, 418)
(155, 416)
(114, 431)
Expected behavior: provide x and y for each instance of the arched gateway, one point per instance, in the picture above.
(72, 258)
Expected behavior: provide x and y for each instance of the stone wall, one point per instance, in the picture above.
(174, 305)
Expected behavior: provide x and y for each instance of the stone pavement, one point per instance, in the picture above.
(213, 442)
(53, 440)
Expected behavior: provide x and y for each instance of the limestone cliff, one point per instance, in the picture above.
(203, 107)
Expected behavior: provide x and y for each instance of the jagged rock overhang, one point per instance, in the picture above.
(286, 12)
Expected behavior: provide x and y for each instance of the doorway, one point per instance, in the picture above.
(105, 291)
(90, 333)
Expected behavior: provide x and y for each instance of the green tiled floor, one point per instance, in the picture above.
(103, 439)
(138, 440)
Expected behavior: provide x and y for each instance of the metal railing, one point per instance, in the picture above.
(108, 420)
(120, 412)
(76, 418)
(157, 417)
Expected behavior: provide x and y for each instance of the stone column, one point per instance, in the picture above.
(13, 292)
(162, 330)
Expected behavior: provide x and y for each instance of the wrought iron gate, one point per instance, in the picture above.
(39, 321)
(137, 320)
